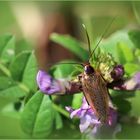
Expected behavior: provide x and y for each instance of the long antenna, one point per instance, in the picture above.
(89, 46)
(102, 36)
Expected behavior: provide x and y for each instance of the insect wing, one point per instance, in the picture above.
(96, 94)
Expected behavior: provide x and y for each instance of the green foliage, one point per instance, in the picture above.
(135, 36)
(58, 121)
(30, 72)
(72, 44)
(18, 65)
(77, 100)
(38, 116)
(131, 68)
(63, 70)
(110, 45)
(124, 53)
(13, 92)
(17, 83)
(135, 104)
(5, 82)
(24, 69)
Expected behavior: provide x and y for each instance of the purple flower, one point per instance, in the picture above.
(117, 72)
(47, 84)
(89, 122)
(130, 84)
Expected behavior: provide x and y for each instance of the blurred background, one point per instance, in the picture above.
(31, 24)
(34, 21)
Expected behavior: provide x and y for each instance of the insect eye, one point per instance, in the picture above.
(89, 69)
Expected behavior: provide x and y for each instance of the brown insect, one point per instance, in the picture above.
(94, 86)
(95, 91)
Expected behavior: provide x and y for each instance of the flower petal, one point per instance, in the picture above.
(76, 112)
(127, 84)
(69, 109)
(134, 82)
(85, 123)
(84, 104)
(46, 83)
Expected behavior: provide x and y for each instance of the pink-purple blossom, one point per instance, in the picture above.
(46, 83)
(90, 124)
(129, 84)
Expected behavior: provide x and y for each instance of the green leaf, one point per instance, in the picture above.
(135, 104)
(38, 116)
(123, 106)
(72, 44)
(135, 37)
(24, 69)
(131, 68)
(5, 82)
(18, 65)
(77, 100)
(63, 70)
(137, 54)
(124, 53)
(22, 45)
(12, 92)
(30, 72)
(58, 121)
(110, 44)
(129, 131)
(7, 46)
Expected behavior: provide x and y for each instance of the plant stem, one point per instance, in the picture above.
(61, 110)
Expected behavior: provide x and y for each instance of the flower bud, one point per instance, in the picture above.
(117, 72)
